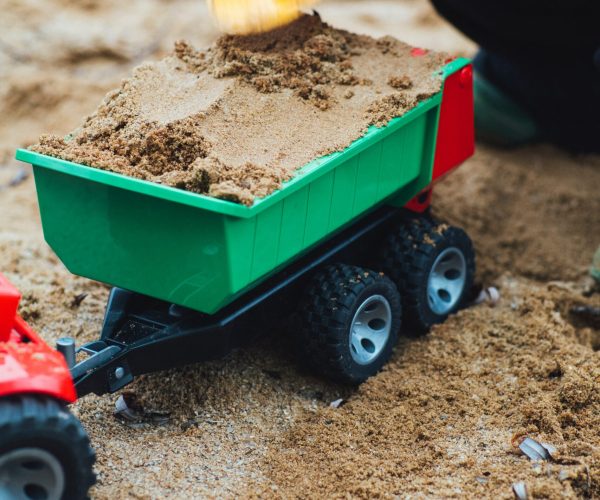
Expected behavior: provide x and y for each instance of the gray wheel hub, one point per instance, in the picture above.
(31, 474)
(446, 282)
(370, 329)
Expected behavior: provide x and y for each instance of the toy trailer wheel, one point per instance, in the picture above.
(44, 451)
(433, 266)
(350, 322)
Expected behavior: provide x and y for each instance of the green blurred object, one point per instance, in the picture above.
(596, 266)
(203, 253)
(498, 119)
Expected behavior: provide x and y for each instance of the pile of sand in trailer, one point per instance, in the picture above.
(236, 121)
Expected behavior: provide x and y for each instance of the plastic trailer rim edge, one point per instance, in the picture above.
(446, 282)
(370, 329)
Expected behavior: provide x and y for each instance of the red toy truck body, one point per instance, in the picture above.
(44, 451)
(27, 364)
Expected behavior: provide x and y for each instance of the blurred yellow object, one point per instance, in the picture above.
(243, 17)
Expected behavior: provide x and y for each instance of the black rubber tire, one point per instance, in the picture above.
(42, 422)
(332, 299)
(408, 257)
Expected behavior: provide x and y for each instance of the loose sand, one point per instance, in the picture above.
(237, 120)
(439, 421)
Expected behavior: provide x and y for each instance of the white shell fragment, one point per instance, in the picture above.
(537, 451)
(520, 491)
(129, 410)
(121, 405)
(489, 296)
(337, 403)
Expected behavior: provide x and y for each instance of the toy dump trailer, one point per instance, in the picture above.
(338, 240)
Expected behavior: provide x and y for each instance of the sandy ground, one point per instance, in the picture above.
(439, 421)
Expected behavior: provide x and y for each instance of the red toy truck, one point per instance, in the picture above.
(44, 451)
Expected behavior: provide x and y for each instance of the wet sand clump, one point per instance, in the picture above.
(237, 120)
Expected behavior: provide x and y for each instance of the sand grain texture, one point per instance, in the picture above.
(439, 421)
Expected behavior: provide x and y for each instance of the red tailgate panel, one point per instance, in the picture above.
(456, 133)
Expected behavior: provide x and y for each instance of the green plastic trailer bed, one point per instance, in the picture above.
(203, 253)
